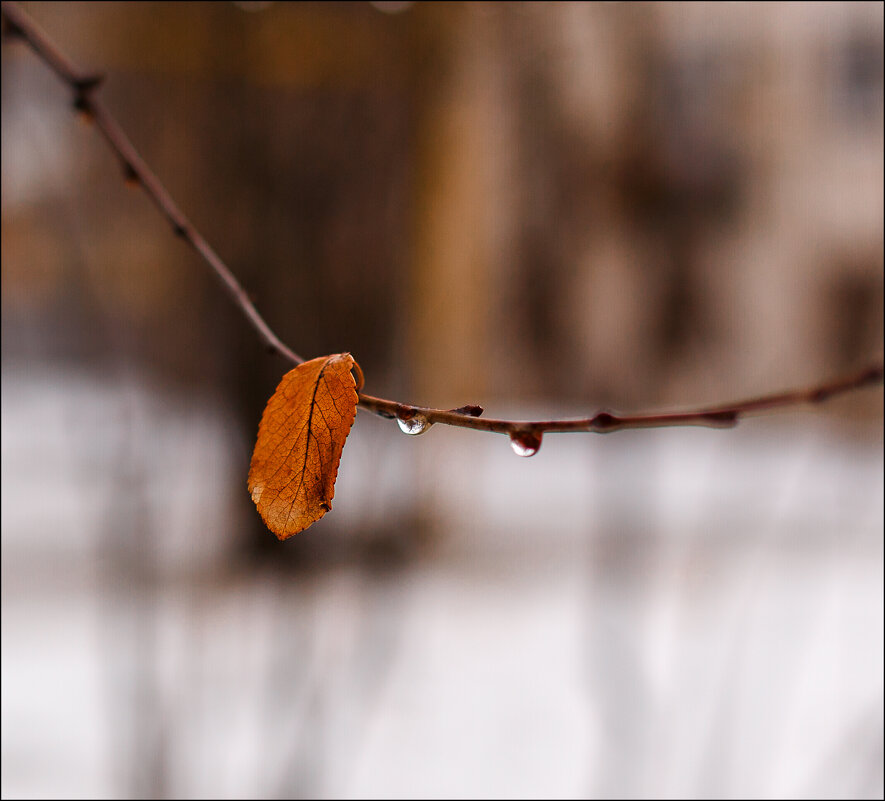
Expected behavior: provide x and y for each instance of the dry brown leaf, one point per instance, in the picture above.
(300, 439)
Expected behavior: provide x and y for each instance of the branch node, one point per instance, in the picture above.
(83, 89)
(83, 106)
(724, 418)
(87, 83)
(130, 175)
(874, 374)
(604, 421)
(471, 410)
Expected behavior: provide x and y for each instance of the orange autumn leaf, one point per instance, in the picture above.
(300, 439)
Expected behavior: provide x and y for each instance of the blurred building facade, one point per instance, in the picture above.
(691, 191)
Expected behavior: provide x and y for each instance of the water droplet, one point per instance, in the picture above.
(416, 424)
(525, 443)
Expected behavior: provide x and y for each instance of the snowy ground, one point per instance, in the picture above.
(669, 614)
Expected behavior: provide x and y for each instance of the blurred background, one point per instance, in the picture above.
(543, 208)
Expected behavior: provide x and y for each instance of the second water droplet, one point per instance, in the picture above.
(525, 443)
(417, 424)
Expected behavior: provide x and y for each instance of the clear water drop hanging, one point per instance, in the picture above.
(525, 443)
(416, 424)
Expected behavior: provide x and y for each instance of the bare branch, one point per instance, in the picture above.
(84, 86)
(85, 89)
(723, 416)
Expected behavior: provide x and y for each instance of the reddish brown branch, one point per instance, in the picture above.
(84, 87)
(722, 416)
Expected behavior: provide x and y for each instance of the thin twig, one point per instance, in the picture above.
(722, 416)
(85, 89)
